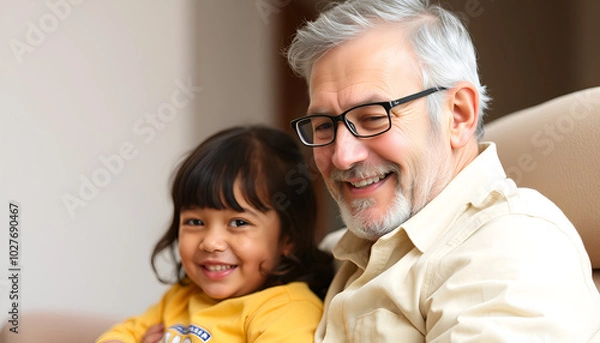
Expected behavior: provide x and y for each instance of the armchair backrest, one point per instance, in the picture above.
(554, 148)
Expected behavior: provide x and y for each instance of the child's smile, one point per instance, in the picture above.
(215, 270)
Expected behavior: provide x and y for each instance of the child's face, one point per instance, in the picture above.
(227, 253)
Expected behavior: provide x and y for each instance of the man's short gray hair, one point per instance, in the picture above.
(441, 43)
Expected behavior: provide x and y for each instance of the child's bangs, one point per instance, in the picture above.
(210, 183)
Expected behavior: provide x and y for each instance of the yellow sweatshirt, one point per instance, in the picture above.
(288, 313)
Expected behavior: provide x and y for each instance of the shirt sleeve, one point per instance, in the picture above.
(287, 321)
(517, 279)
(134, 328)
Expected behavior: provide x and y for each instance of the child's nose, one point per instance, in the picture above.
(213, 241)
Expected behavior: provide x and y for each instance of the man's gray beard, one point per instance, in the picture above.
(432, 180)
(357, 217)
(370, 226)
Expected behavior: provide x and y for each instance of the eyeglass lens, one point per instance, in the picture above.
(363, 121)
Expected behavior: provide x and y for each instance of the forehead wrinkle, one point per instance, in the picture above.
(373, 80)
(351, 96)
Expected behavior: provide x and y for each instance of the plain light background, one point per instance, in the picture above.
(81, 82)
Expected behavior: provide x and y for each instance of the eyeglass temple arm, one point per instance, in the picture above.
(417, 95)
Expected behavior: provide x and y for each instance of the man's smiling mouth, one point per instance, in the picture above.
(368, 181)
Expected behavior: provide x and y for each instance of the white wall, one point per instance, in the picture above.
(80, 82)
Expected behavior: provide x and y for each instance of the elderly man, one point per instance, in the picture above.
(441, 246)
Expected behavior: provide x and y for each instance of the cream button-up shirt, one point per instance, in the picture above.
(484, 261)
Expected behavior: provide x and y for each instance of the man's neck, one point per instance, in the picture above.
(465, 155)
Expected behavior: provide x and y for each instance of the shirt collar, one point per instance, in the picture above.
(431, 221)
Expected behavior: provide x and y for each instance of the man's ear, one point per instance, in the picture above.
(463, 101)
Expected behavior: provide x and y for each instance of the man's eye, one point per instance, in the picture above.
(375, 117)
(238, 223)
(372, 123)
(323, 127)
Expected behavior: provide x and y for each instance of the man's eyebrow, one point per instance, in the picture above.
(317, 112)
(373, 98)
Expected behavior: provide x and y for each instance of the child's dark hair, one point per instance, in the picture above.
(272, 172)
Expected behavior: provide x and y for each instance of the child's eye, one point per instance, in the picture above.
(193, 222)
(238, 223)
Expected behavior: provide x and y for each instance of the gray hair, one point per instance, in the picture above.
(441, 43)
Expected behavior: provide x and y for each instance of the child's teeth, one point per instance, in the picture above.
(218, 268)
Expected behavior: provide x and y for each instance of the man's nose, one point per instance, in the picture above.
(348, 149)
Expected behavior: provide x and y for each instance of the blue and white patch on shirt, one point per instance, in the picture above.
(187, 331)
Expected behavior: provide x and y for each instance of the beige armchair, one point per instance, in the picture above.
(554, 147)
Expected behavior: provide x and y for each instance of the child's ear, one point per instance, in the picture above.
(287, 246)
(464, 106)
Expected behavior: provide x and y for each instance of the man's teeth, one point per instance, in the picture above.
(218, 268)
(366, 182)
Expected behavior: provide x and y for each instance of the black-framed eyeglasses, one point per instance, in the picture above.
(363, 121)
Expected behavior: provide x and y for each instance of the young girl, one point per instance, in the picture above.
(243, 224)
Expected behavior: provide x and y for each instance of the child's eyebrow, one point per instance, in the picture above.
(254, 212)
(250, 211)
(187, 210)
